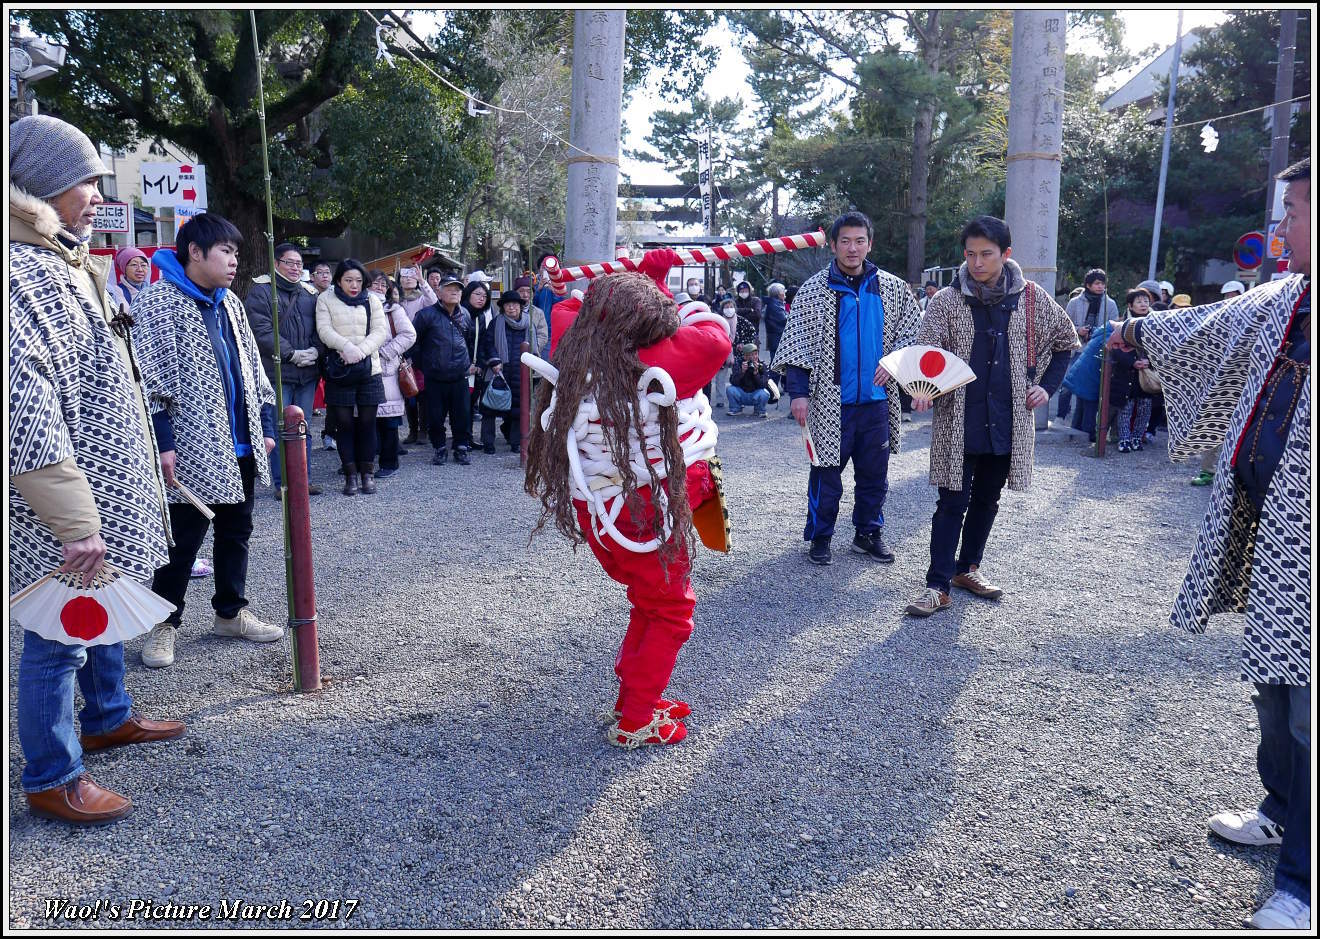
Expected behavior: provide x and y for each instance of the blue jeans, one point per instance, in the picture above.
(739, 399)
(52, 754)
(1284, 761)
(301, 395)
(865, 440)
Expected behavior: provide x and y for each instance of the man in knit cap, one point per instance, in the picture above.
(85, 488)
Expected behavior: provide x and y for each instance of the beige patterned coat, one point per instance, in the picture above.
(948, 325)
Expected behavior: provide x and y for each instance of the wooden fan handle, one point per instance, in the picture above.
(924, 389)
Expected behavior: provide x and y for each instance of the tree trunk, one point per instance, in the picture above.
(922, 131)
(249, 217)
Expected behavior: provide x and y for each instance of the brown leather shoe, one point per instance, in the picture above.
(930, 601)
(134, 730)
(974, 582)
(81, 802)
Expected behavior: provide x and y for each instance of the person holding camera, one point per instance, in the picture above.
(351, 323)
(749, 383)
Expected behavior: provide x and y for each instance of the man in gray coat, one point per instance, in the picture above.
(1089, 309)
(300, 347)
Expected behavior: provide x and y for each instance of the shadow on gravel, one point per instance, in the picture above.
(859, 773)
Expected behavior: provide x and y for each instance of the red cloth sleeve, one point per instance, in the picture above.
(692, 356)
(565, 313)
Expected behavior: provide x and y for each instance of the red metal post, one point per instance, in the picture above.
(1102, 412)
(306, 657)
(524, 406)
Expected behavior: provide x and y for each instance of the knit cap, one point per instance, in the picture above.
(124, 255)
(522, 282)
(48, 156)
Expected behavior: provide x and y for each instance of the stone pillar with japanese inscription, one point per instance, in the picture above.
(594, 130)
(1035, 145)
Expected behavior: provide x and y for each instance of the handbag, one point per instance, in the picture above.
(498, 395)
(335, 369)
(409, 386)
(341, 373)
(1149, 379)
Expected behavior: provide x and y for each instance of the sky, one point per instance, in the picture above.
(1143, 28)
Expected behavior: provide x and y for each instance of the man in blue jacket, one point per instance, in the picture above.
(213, 410)
(844, 319)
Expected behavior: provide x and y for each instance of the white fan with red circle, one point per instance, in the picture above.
(927, 371)
(110, 608)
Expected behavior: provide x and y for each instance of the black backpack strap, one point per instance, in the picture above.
(1031, 332)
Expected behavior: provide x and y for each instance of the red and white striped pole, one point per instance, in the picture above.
(560, 277)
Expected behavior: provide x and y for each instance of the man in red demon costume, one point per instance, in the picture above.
(622, 457)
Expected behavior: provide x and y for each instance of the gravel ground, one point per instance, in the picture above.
(1047, 761)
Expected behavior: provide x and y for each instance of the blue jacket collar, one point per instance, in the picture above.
(167, 262)
(839, 281)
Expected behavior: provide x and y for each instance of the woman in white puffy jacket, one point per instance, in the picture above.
(351, 322)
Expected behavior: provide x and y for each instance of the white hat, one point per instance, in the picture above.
(478, 277)
(1233, 285)
(1166, 287)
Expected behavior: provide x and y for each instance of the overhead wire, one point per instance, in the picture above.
(1224, 117)
(473, 98)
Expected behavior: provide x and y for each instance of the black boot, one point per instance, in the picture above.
(350, 480)
(368, 478)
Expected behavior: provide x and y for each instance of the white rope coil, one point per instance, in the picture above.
(596, 480)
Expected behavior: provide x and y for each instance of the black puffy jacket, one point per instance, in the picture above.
(441, 350)
(297, 328)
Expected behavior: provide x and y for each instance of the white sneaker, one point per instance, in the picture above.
(246, 626)
(158, 650)
(1249, 828)
(1283, 911)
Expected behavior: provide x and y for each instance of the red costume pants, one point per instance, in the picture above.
(661, 617)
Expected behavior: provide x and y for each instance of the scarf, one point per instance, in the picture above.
(502, 334)
(1093, 302)
(1010, 281)
(362, 299)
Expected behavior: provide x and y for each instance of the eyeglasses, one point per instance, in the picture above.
(291, 262)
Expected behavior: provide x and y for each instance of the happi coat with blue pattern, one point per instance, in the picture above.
(811, 342)
(182, 377)
(72, 395)
(1213, 362)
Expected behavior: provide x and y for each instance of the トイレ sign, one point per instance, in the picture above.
(114, 217)
(170, 184)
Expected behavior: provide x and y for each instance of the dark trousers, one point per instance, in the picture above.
(865, 441)
(356, 435)
(512, 432)
(449, 399)
(1284, 761)
(233, 529)
(387, 432)
(415, 410)
(1084, 415)
(1066, 396)
(984, 476)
